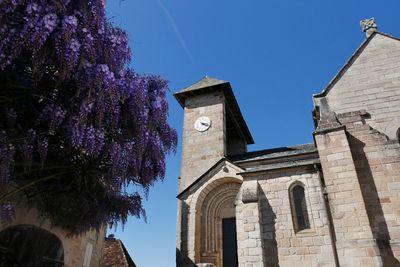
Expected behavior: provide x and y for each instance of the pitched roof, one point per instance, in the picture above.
(350, 62)
(282, 165)
(187, 189)
(205, 82)
(208, 84)
(115, 254)
(277, 158)
(273, 153)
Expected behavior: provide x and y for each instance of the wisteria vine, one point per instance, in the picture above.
(76, 123)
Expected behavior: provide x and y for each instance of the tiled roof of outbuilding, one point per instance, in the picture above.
(115, 254)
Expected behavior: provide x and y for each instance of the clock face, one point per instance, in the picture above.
(202, 124)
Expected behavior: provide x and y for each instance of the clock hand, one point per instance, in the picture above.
(203, 123)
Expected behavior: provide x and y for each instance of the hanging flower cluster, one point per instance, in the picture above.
(75, 117)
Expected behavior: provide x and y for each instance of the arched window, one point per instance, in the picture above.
(299, 208)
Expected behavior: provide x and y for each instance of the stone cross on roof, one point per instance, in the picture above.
(368, 26)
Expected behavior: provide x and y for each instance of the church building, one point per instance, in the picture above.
(334, 202)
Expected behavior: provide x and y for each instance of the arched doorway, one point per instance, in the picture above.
(30, 246)
(216, 241)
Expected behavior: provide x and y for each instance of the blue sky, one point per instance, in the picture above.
(275, 53)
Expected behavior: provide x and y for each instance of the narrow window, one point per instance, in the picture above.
(398, 134)
(300, 217)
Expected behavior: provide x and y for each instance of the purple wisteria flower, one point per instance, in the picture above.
(6, 213)
(70, 24)
(78, 113)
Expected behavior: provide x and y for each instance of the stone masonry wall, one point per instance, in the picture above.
(249, 235)
(193, 225)
(235, 145)
(372, 83)
(74, 247)
(201, 150)
(282, 245)
(377, 162)
(355, 242)
(251, 252)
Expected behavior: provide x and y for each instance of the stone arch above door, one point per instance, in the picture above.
(215, 203)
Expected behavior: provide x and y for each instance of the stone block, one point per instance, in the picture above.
(250, 191)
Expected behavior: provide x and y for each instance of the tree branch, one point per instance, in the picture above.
(25, 186)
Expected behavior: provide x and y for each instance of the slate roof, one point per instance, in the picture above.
(279, 152)
(350, 62)
(115, 254)
(203, 83)
(208, 84)
(281, 165)
(287, 156)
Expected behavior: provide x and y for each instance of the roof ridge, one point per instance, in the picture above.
(206, 81)
(207, 85)
(223, 159)
(345, 67)
(278, 152)
(275, 148)
(388, 35)
(350, 62)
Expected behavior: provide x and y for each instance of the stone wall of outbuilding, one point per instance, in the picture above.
(75, 247)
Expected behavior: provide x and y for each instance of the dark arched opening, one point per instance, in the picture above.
(299, 208)
(398, 134)
(30, 246)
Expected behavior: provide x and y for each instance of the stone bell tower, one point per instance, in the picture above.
(213, 127)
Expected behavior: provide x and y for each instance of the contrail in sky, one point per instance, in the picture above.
(176, 30)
